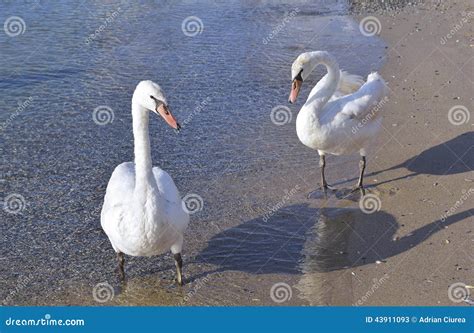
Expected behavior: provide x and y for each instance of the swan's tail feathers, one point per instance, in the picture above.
(374, 76)
(349, 83)
(369, 100)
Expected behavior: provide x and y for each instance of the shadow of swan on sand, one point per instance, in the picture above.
(320, 240)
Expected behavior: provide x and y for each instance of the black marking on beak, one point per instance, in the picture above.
(299, 77)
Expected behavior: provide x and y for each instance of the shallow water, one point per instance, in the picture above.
(222, 85)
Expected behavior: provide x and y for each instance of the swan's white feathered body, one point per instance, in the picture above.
(342, 113)
(144, 227)
(142, 212)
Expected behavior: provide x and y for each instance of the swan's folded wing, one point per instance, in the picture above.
(349, 83)
(119, 191)
(166, 185)
(174, 207)
(367, 100)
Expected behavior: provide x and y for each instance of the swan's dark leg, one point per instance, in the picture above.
(360, 185)
(323, 191)
(121, 262)
(362, 164)
(322, 165)
(179, 268)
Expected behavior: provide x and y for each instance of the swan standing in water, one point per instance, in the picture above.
(142, 213)
(340, 115)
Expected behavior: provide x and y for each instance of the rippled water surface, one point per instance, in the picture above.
(222, 84)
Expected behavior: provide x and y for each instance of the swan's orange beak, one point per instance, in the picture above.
(295, 90)
(167, 116)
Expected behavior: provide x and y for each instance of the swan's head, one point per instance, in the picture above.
(302, 67)
(149, 95)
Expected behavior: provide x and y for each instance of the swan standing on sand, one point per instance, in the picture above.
(142, 213)
(340, 115)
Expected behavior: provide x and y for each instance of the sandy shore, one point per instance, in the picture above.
(424, 161)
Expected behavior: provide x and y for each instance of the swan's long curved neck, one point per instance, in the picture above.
(142, 150)
(319, 98)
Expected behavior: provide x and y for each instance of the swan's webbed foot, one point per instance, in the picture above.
(360, 184)
(358, 188)
(179, 268)
(121, 263)
(327, 187)
(321, 192)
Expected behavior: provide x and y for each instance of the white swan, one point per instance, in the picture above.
(142, 213)
(342, 113)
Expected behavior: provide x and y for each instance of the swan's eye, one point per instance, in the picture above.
(298, 77)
